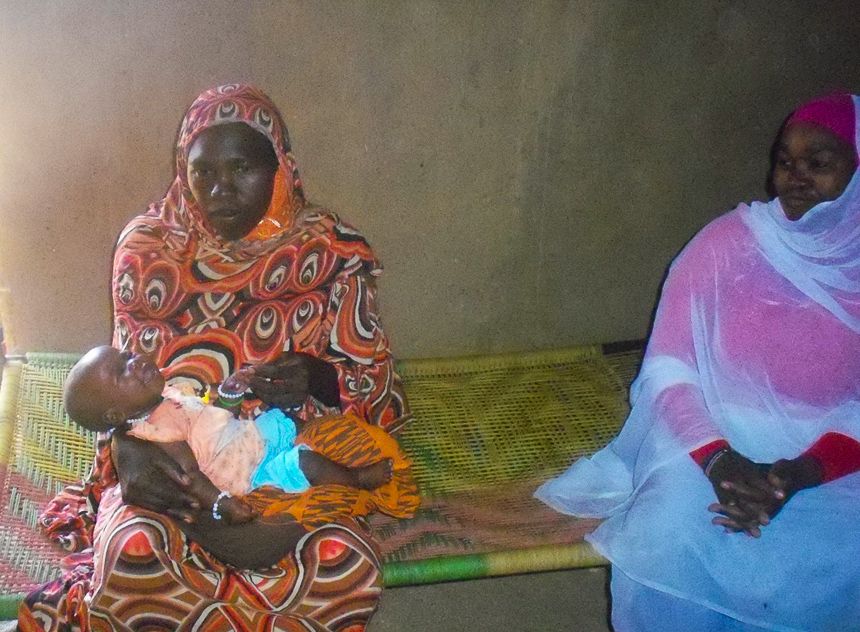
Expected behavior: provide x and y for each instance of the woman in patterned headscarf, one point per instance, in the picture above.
(233, 266)
(747, 405)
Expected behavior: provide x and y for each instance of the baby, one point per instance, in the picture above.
(109, 389)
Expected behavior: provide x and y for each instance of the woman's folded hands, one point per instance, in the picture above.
(750, 494)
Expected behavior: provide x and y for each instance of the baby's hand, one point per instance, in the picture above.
(235, 510)
(239, 381)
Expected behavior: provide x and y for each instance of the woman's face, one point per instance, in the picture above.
(231, 172)
(811, 165)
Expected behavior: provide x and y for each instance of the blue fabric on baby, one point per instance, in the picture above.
(280, 464)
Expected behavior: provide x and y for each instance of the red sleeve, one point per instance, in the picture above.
(701, 455)
(838, 454)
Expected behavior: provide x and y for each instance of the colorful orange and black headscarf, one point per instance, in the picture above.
(301, 280)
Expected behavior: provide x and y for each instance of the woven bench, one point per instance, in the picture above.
(487, 431)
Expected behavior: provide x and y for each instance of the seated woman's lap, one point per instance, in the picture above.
(665, 541)
(142, 553)
(148, 573)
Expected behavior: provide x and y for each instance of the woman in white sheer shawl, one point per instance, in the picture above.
(730, 497)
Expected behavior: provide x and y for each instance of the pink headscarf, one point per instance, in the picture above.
(834, 112)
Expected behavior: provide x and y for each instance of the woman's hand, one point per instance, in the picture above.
(153, 479)
(238, 382)
(288, 381)
(747, 507)
(744, 493)
(255, 544)
(283, 383)
(789, 476)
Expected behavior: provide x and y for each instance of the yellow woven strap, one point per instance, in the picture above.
(8, 398)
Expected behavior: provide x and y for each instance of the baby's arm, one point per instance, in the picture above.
(232, 510)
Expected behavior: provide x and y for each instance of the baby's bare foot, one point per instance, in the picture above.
(372, 476)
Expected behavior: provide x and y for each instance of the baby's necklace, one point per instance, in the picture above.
(139, 420)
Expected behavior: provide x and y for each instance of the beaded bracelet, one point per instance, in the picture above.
(229, 400)
(224, 395)
(216, 510)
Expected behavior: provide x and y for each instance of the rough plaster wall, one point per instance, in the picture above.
(525, 170)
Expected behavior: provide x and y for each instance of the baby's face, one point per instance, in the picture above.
(129, 383)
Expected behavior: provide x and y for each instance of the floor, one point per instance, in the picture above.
(544, 602)
(570, 601)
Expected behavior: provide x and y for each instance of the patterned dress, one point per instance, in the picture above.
(301, 281)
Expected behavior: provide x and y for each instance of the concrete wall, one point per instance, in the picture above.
(525, 170)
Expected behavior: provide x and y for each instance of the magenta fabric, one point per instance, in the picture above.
(834, 112)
